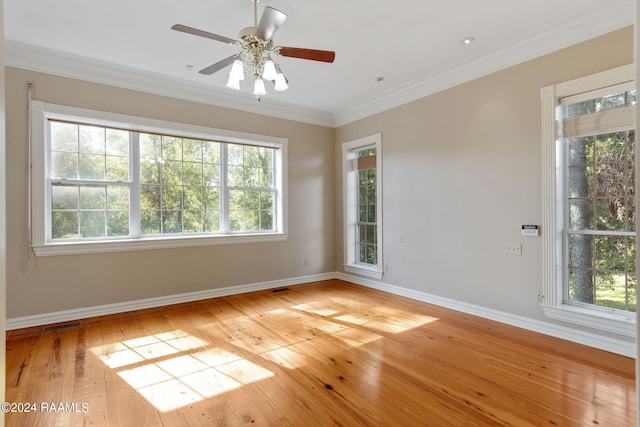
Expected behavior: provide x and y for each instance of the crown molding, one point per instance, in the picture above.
(38, 59)
(610, 16)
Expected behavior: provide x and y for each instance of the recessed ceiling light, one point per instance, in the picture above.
(379, 79)
(188, 67)
(468, 40)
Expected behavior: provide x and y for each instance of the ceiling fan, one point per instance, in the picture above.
(256, 47)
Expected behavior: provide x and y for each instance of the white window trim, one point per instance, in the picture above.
(42, 111)
(613, 321)
(350, 210)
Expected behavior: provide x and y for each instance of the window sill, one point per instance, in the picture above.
(165, 242)
(605, 320)
(360, 270)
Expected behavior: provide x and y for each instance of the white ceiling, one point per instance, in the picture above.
(414, 44)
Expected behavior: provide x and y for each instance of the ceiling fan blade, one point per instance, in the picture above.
(200, 33)
(218, 66)
(270, 21)
(312, 54)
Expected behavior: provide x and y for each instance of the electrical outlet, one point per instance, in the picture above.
(513, 248)
(540, 296)
(303, 262)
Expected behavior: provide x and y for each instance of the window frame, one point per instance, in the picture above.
(41, 112)
(350, 206)
(553, 209)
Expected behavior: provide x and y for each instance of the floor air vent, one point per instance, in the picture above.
(62, 326)
(280, 290)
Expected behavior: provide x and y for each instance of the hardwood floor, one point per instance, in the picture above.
(321, 354)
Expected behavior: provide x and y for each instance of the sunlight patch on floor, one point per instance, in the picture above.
(169, 395)
(326, 325)
(137, 350)
(402, 318)
(167, 372)
(311, 328)
(174, 369)
(286, 358)
(350, 318)
(357, 337)
(387, 327)
(316, 307)
(379, 317)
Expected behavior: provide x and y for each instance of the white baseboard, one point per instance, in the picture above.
(122, 307)
(575, 335)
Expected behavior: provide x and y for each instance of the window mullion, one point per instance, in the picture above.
(47, 233)
(134, 194)
(224, 191)
(602, 232)
(64, 181)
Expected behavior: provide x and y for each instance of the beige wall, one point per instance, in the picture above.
(462, 172)
(71, 282)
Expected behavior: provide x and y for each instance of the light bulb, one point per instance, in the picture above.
(233, 82)
(237, 70)
(269, 72)
(281, 83)
(258, 88)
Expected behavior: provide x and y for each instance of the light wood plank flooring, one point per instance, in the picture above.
(321, 354)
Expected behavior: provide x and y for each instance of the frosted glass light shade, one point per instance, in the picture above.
(237, 70)
(258, 88)
(269, 72)
(233, 83)
(281, 83)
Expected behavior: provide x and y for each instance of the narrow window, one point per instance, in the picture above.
(588, 231)
(600, 201)
(367, 225)
(362, 206)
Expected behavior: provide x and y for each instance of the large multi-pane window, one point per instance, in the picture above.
(107, 181)
(600, 201)
(588, 229)
(363, 213)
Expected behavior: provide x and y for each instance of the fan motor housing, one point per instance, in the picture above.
(249, 31)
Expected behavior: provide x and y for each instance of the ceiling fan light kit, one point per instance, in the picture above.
(281, 81)
(233, 83)
(269, 72)
(237, 70)
(258, 88)
(256, 50)
(255, 56)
